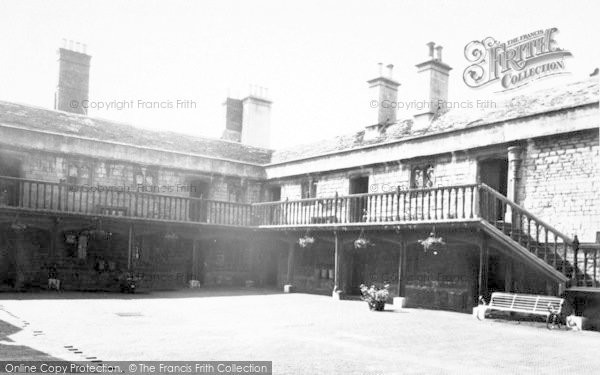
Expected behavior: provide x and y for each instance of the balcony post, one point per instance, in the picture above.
(401, 268)
(338, 287)
(514, 173)
(130, 240)
(22, 263)
(289, 280)
(483, 267)
(195, 259)
(508, 276)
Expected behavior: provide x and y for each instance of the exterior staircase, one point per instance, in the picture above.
(552, 252)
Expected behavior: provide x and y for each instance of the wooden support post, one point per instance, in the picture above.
(130, 248)
(195, 259)
(337, 282)
(290, 265)
(53, 238)
(508, 276)
(21, 259)
(401, 268)
(483, 267)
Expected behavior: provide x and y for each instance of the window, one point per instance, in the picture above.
(72, 174)
(235, 192)
(78, 174)
(308, 189)
(422, 177)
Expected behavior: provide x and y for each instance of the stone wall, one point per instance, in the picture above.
(109, 174)
(560, 182)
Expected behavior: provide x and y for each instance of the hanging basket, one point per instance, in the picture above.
(306, 241)
(362, 242)
(433, 244)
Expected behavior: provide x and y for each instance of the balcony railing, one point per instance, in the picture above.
(64, 198)
(431, 204)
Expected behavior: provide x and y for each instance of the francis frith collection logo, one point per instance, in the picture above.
(514, 63)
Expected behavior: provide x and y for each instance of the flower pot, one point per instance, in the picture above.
(377, 305)
(331, 275)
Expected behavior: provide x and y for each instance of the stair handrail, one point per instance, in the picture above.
(541, 222)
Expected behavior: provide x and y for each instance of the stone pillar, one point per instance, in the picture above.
(338, 286)
(288, 287)
(514, 175)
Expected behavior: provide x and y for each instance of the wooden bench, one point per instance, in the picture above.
(525, 303)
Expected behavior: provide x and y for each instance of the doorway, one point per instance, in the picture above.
(9, 190)
(358, 206)
(494, 173)
(198, 189)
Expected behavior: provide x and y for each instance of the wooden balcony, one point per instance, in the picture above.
(60, 198)
(441, 204)
(528, 237)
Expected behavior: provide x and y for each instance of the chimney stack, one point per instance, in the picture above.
(248, 120)
(256, 118)
(384, 95)
(233, 120)
(433, 85)
(73, 78)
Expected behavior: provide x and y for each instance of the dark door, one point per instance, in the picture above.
(9, 190)
(274, 193)
(358, 205)
(274, 212)
(198, 209)
(359, 259)
(494, 173)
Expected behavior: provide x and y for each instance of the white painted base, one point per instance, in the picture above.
(337, 295)
(479, 312)
(576, 323)
(287, 288)
(194, 283)
(399, 303)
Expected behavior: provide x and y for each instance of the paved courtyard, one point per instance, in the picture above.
(300, 333)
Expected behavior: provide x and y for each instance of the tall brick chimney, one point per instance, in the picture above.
(384, 96)
(73, 77)
(256, 118)
(433, 84)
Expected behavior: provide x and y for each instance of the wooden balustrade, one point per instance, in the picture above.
(430, 204)
(119, 201)
(540, 238)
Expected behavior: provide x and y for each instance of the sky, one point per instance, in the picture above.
(313, 56)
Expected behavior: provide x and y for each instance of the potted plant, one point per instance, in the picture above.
(374, 296)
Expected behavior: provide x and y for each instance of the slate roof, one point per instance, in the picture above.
(35, 118)
(556, 98)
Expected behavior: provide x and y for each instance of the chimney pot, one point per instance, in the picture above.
(390, 70)
(380, 69)
(430, 47)
(438, 51)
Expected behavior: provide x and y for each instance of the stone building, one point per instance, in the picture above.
(511, 191)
